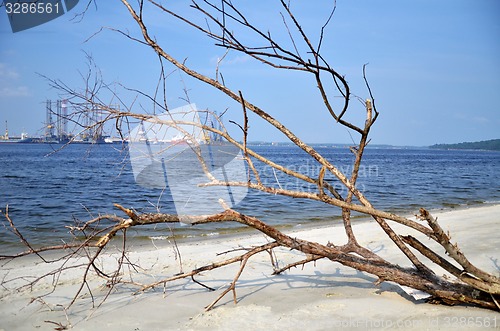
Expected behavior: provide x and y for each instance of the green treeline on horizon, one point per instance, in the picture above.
(491, 145)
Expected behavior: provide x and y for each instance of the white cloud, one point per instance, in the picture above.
(14, 92)
(481, 119)
(8, 73)
(228, 60)
(10, 83)
(238, 59)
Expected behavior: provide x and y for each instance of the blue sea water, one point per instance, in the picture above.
(45, 193)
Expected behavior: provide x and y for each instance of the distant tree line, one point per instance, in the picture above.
(491, 145)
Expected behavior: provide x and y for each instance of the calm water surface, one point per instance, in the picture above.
(45, 193)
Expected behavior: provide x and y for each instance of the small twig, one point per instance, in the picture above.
(311, 258)
(201, 284)
(59, 325)
(232, 286)
(371, 95)
(495, 301)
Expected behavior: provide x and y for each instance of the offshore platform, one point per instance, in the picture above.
(56, 131)
(56, 124)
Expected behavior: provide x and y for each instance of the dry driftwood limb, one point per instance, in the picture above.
(491, 288)
(420, 279)
(454, 252)
(468, 289)
(310, 258)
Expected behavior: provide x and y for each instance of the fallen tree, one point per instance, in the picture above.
(467, 284)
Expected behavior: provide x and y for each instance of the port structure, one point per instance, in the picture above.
(90, 129)
(56, 131)
(213, 120)
(6, 136)
(93, 123)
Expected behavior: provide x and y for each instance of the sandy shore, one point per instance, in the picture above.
(325, 296)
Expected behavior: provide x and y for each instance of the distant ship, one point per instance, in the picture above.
(24, 138)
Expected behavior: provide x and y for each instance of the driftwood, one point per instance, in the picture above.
(470, 285)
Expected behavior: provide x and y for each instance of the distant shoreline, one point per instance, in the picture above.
(486, 145)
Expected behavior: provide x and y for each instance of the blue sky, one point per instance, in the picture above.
(434, 67)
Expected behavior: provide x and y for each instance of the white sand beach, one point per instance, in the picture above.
(324, 296)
